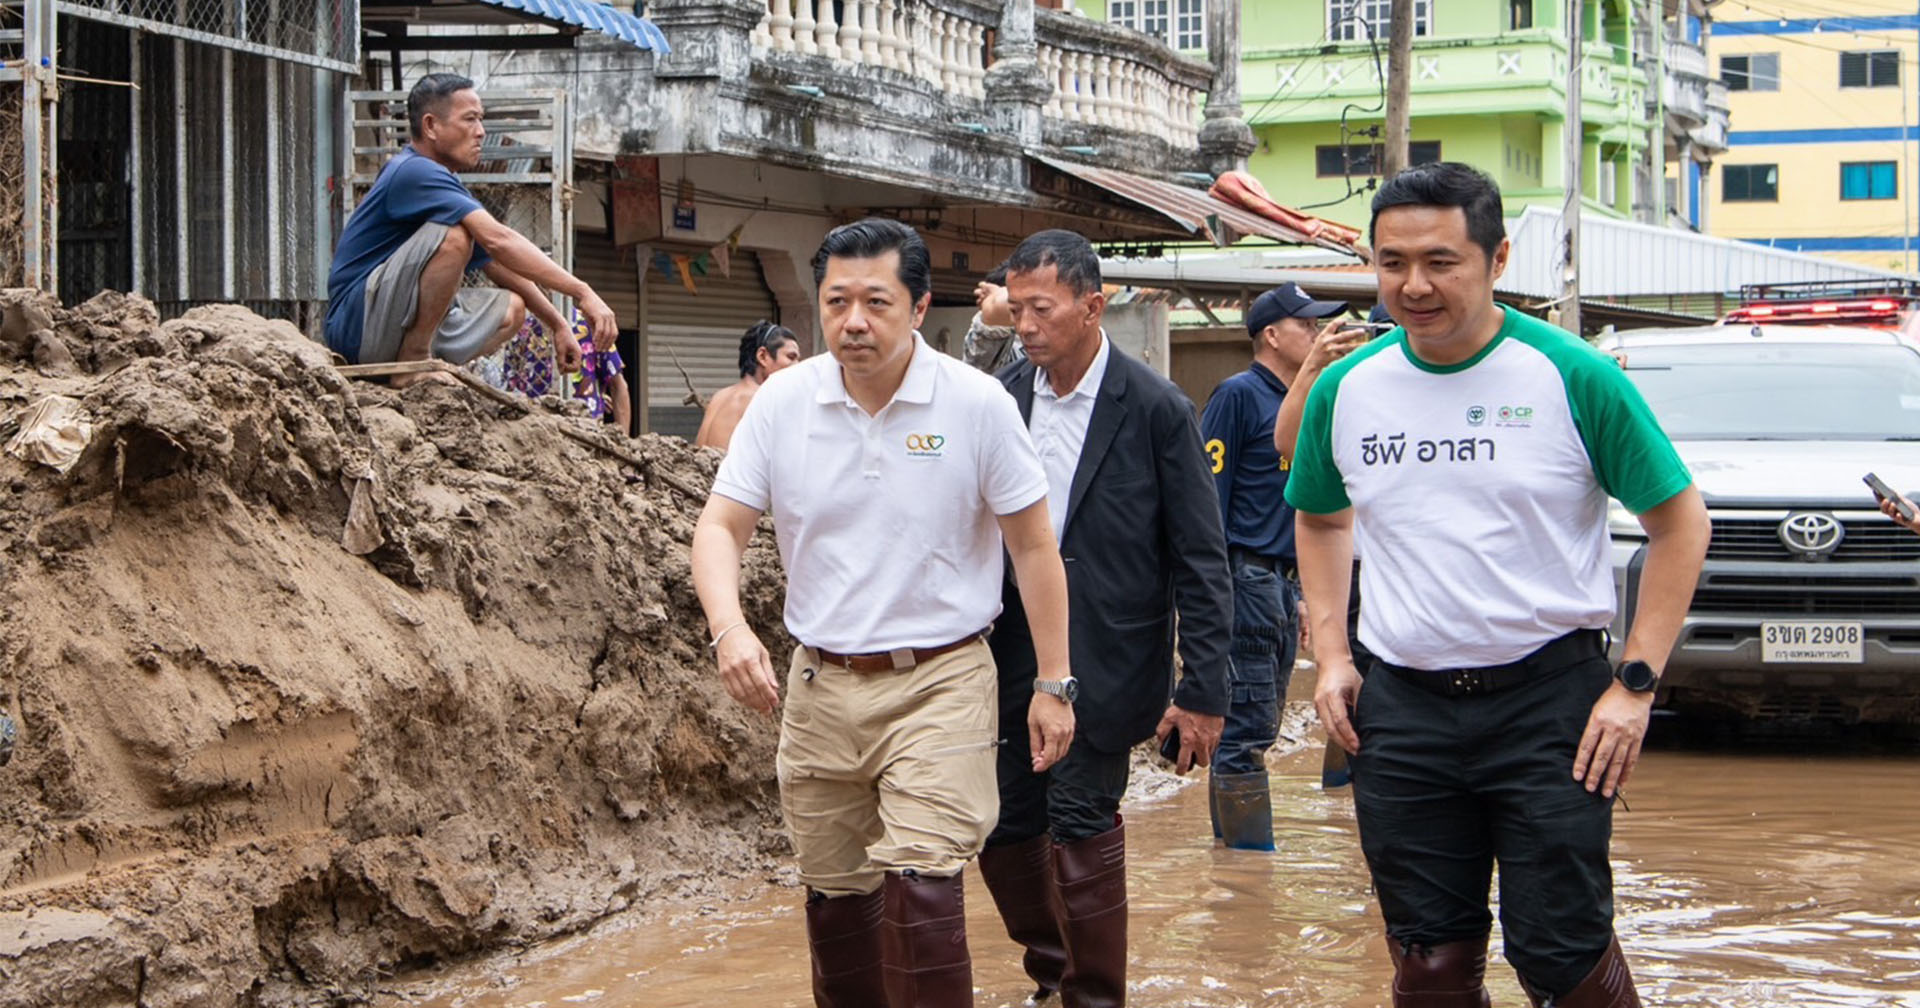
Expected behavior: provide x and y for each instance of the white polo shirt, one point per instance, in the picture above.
(886, 523)
(1059, 423)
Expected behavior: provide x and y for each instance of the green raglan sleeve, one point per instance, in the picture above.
(1314, 484)
(1632, 457)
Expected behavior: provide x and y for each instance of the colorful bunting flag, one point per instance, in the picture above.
(723, 252)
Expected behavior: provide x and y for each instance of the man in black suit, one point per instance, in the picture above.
(1139, 529)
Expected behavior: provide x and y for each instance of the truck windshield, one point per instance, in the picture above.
(1790, 391)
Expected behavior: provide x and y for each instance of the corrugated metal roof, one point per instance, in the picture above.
(599, 17)
(1221, 222)
(1174, 274)
(1626, 259)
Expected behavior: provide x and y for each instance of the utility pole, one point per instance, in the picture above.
(1572, 132)
(1393, 158)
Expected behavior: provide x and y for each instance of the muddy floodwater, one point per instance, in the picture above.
(1763, 875)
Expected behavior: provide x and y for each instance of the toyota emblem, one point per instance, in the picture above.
(1811, 535)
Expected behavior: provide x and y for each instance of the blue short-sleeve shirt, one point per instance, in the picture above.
(412, 190)
(1248, 472)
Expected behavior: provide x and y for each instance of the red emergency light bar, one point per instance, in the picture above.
(1882, 312)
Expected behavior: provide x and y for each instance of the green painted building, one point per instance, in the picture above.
(1488, 83)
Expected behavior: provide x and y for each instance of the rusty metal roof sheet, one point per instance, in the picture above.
(1220, 222)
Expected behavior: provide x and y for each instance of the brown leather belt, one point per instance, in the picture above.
(895, 660)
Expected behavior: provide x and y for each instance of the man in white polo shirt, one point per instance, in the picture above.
(1471, 453)
(894, 474)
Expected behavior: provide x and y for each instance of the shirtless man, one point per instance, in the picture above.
(765, 348)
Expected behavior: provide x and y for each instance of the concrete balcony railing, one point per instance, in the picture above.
(1686, 58)
(1102, 76)
(1517, 72)
(1106, 76)
(1717, 98)
(941, 43)
(1711, 134)
(1685, 98)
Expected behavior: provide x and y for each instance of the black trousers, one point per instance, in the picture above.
(1446, 786)
(1074, 799)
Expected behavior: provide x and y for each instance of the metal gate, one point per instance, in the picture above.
(179, 148)
(526, 177)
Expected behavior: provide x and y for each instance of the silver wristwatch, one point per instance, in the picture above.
(1068, 689)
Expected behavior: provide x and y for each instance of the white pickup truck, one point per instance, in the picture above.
(1809, 604)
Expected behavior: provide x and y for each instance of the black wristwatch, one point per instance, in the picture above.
(1637, 676)
(1068, 689)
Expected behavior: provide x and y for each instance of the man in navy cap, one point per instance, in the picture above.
(1251, 478)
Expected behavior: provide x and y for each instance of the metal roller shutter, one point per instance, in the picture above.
(703, 330)
(613, 273)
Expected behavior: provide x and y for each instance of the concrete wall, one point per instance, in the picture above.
(1141, 330)
(1205, 357)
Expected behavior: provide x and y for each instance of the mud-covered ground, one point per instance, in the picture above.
(257, 768)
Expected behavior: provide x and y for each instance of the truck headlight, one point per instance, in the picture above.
(1622, 523)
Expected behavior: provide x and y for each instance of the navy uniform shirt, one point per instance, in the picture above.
(1247, 470)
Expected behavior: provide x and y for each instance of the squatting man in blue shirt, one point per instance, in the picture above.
(394, 291)
(1470, 454)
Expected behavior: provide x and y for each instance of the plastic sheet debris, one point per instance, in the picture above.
(53, 432)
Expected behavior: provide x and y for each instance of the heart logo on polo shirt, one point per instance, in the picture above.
(925, 445)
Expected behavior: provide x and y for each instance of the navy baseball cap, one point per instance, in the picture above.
(1287, 301)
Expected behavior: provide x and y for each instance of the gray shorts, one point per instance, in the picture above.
(393, 297)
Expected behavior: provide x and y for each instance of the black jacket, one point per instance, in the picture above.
(1142, 542)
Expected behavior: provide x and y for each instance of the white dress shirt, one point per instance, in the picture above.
(1058, 424)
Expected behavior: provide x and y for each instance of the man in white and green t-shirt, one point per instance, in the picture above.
(1471, 453)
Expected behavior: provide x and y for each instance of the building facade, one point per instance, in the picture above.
(1488, 85)
(706, 170)
(1822, 155)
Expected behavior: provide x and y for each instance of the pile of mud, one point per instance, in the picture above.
(255, 768)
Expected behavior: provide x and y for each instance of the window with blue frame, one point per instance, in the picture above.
(1868, 180)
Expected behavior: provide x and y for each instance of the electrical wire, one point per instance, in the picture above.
(1346, 132)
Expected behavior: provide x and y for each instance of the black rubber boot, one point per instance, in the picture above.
(1244, 804)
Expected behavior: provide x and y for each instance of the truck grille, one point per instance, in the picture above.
(1866, 541)
(1785, 600)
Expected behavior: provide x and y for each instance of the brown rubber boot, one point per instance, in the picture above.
(1608, 985)
(1091, 885)
(1020, 877)
(923, 943)
(844, 935)
(1449, 975)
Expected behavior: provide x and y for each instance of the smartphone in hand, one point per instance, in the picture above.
(1884, 492)
(1170, 748)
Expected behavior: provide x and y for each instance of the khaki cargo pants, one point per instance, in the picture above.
(888, 771)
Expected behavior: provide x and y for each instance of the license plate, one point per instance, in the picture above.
(1789, 641)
